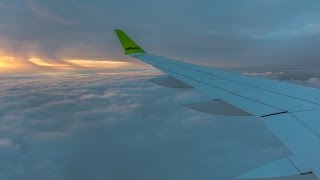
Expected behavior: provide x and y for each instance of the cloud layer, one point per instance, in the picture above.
(308, 77)
(120, 126)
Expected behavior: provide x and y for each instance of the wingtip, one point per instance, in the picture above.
(129, 46)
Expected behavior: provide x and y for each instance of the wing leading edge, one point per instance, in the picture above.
(292, 112)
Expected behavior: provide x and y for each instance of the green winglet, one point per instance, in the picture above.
(129, 46)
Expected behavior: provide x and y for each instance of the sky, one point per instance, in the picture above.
(73, 107)
(48, 34)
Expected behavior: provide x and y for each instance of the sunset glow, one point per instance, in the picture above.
(4, 63)
(8, 64)
(44, 63)
(98, 64)
(11, 64)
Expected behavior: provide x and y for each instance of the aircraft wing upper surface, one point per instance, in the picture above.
(292, 112)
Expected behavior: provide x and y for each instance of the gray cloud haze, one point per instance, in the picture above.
(118, 126)
(221, 33)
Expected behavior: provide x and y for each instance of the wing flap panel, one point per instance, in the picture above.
(275, 169)
(169, 81)
(217, 107)
(302, 141)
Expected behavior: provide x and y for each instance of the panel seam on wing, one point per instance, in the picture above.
(235, 81)
(274, 114)
(158, 66)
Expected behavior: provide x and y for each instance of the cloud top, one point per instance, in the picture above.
(120, 126)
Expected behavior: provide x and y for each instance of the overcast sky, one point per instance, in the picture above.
(230, 33)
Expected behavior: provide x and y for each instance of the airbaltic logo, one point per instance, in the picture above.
(132, 48)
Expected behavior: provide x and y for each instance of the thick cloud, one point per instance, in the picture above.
(120, 126)
(225, 33)
(308, 77)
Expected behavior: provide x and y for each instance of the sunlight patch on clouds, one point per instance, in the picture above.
(45, 63)
(12, 64)
(8, 63)
(79, 63)
(98, 64)
(41, 62)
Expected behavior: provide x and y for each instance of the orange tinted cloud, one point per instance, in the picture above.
(79, 63)
(10, 64)
(35, 64)
(98, 64)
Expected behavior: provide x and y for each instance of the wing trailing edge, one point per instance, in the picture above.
(276, 170)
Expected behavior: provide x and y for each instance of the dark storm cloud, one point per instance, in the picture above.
(104, 126)
(228, 33)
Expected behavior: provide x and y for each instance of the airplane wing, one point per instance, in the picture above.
(292, 112)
